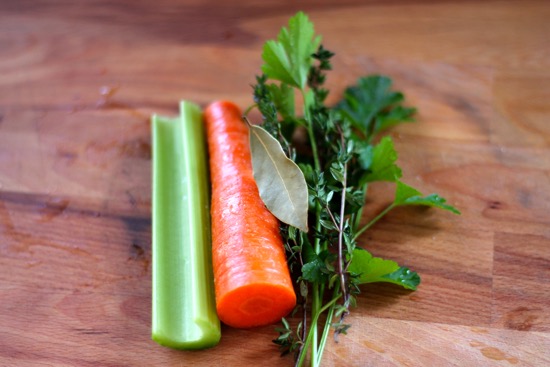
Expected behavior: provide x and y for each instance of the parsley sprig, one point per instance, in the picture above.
(344, 154)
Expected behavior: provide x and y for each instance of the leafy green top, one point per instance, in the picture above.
(342, 155)
(289, 58)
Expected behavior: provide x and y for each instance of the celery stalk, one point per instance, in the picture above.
(183, 308)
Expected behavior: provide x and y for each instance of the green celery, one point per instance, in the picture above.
(183, 310)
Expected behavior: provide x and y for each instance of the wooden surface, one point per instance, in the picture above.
(79, 80)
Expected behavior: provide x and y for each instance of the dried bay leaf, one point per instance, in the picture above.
(280, 181)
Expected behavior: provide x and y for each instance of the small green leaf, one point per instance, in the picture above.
(337, 171)
(329, 196)
(289, 58)
(326, 223)
(280, 181)
(406, 195)
(369, 269)
(292, 233)
(380, 162)
(285, 324)
(312, 271)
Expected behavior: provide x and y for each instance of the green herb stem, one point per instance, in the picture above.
(356, 217)
(313, 330)
(310, 336)
(317, 297)
(373, 221)
(328, 323)
(247, 111)
(311, 133)
(341, 258)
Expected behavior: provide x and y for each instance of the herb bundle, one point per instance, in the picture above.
(344, 153)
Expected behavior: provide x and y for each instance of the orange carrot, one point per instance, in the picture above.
(251, 276)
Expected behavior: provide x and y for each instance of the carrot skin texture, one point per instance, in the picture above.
(251, 276)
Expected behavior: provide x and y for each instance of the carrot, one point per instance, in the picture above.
(251, 276)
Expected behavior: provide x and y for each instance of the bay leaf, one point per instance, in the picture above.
(281, 183)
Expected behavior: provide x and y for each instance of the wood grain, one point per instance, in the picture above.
(80, 80)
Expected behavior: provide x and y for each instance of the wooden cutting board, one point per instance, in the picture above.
(79, 81)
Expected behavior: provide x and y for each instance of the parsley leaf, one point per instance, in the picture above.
(379, 162)
(404, 277)
(289, 58)
(369, 269)
(371, 106)
(319, 269)
(407, 195)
